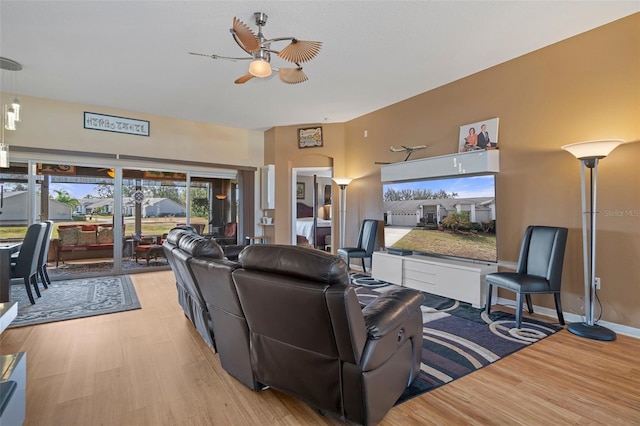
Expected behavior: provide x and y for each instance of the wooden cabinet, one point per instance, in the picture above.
(464, 281)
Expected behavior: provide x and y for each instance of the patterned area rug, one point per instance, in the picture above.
(69, 270)
(459, 339)
(80, 298)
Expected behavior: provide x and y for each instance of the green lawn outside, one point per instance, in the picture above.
(474, 246)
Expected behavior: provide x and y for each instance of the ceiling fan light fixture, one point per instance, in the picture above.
(260, 66)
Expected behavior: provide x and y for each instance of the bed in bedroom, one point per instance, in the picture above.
(305, 226)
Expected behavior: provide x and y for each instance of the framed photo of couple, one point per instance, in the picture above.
(477, 136)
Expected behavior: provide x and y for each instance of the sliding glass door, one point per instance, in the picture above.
(111, 219)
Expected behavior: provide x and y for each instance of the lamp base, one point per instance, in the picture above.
(595, 332)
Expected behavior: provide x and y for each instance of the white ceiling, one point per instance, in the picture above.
(132, 55)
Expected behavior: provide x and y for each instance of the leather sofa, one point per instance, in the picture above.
(208, 297)
(310, 338)
(287, 317)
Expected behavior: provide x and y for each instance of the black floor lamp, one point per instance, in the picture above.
(590, 153)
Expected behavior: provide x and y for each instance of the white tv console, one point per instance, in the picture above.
(464, 281)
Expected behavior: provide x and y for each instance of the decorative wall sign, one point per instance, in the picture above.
(309, 137)
(112, 123)
(480, 135)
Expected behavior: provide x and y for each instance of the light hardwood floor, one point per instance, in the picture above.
(150, 367)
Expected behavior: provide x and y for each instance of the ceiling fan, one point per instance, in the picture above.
(260, 49)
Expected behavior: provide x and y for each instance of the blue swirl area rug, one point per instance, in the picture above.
(459, 339)
(65, 300)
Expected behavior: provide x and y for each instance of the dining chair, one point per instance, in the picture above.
(366, 243)
(26, 264)
(44, 253)
(539, 269)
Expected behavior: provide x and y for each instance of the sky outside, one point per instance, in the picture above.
(75, 190)
(465, 187)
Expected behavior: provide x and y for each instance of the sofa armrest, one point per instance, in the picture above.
(390, 310)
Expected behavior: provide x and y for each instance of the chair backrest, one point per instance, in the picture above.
(304, 319)
(170, 244)
(44, 250)
(367, 235)
(189, 246)
(230, 328)
(27, 262)
(542, 253)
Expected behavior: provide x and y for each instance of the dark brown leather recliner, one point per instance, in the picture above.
(209, 298)
(170, 245)
(310, 338)
(230, 329)
(189, 246)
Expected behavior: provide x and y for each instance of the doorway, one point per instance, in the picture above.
(312, 195)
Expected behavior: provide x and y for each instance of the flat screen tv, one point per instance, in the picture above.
(445, 217)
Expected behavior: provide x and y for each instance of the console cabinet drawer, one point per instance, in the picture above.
(454, 279)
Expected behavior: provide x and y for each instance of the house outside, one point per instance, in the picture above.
(14, 209)
(150, 207)
(411, 212)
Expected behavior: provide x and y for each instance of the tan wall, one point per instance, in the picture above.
(59, 125)
(583, 88)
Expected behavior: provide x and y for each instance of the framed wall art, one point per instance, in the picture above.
(310, 137)
(480, 135)
(300, 190)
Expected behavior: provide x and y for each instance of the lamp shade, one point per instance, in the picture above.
(592, 149)
(4, 155)
(260, 68)
(342, 181)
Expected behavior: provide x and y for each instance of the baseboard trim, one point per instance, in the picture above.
(570, 317)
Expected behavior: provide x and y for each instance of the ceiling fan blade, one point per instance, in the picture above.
(300, 51)
(292, 75)
(214, 56)
(243, 79)
(245, 36)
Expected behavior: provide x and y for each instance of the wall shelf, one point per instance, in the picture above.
(473, 162)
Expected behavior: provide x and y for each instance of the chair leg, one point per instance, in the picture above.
(364, 268)
(529, 304)
(34, 282)
(46, 275)
(518, 310)
(556, 296)
(27, 285)
(489, 291)
(43, 278)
